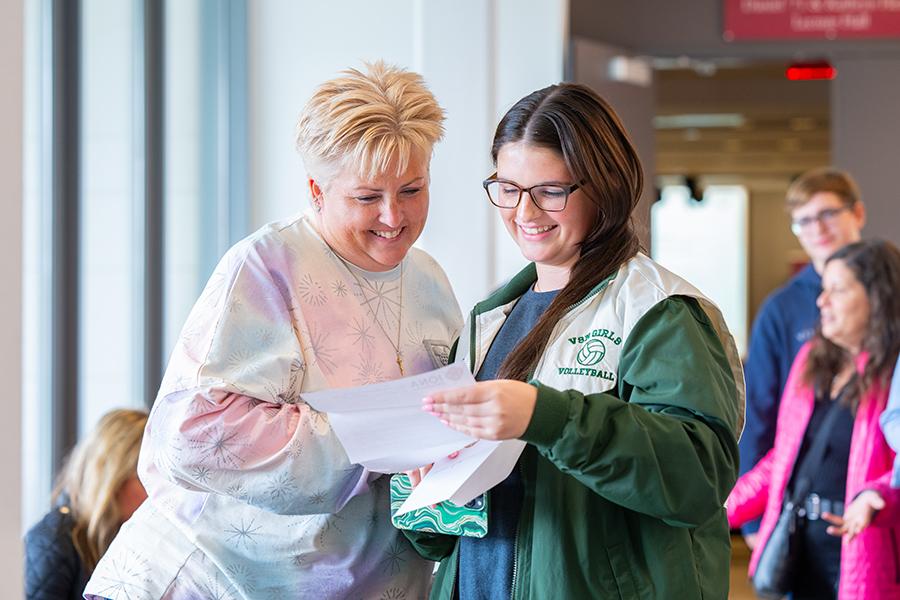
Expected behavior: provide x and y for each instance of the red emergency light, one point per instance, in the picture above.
(808, 71)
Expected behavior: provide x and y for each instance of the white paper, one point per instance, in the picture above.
(474, 471)
(382, 426)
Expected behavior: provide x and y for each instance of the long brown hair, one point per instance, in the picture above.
(876, 265)
(573, 121)
(92, 476)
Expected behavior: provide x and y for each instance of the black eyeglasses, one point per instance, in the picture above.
(549, 197)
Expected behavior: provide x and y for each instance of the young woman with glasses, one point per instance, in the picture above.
(620, 376)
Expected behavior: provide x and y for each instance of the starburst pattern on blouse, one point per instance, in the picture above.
(201, 473)
(270, 408)
(359, 331)
(198, 405)
(368, 372)
(339, 288)
(215, 444)
(126, 574)
(242, 575)
(244, 534)
(415, 333)
(280, 486)
(166, 451)
(216, 587)
(393, 559)
(214, 289)
(274, 397)
(327, 524)
(382, 298)
(194, 329)
(235, 305)
(295, 448)
(322, 351)
(277, 593)
(393, 593)
(317, 423)
(318, 498)
(241, 360)
(265, 337)
(237, 490)
(295, 374)
(180, 383)
(311, 291)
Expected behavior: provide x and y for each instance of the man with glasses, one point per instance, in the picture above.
(826, 215)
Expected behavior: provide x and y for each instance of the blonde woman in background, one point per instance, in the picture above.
(250, 493)
(98, 490)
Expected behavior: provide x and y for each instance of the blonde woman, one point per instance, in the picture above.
(97, 491)
(250, 493)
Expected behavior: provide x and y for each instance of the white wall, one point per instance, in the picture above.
(636, 106)
(11, 131)
(865, 130)
(478, 57)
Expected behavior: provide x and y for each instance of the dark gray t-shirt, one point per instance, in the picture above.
(486, 564)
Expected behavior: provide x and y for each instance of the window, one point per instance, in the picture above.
(706, 243)
(135, 185)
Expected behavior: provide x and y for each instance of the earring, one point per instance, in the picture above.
(317, 204)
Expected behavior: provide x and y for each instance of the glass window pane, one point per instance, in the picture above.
(110, 323)
(706, 243)
(184, 271)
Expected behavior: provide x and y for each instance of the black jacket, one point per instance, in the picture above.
(53, 569)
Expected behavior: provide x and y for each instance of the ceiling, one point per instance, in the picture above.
(779, 127)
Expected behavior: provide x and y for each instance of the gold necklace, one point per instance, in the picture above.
(359, 284)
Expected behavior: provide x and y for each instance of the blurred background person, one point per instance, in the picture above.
(826, 214)
(841, 375)
(251, 494)
(98, 489)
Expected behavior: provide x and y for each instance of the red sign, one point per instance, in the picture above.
(811, 19)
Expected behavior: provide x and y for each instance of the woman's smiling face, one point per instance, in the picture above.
(546, 238)
(373, 223)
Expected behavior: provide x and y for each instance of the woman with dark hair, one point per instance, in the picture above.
(836, 391)
(620, 376)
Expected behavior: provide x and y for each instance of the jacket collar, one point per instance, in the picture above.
(520, 283)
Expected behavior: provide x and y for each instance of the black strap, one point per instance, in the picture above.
(817, 450)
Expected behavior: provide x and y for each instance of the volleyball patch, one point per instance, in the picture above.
(592, 347)
(591, 353)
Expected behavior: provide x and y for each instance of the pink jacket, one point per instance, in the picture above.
(870, 564)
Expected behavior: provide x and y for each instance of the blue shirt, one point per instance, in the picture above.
(486, 564)
(786, 321)
(890, 423)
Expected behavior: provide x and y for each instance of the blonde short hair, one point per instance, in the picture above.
(92, 476)
(824, 179)
(372, 118)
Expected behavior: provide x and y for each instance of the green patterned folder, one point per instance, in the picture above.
(445, 517)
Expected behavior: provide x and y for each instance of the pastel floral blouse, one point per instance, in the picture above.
(250, 492)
